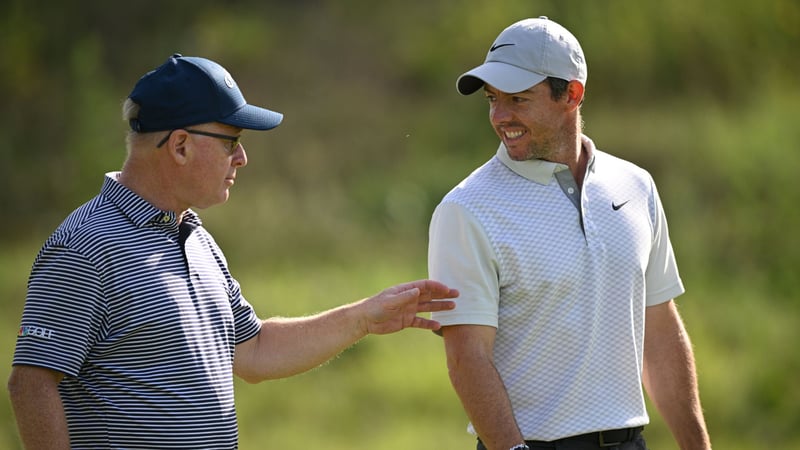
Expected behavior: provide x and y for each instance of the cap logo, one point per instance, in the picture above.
(229, 80)
(496, 46)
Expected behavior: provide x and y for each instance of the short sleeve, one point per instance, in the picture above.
(662, 277)
(64, 312)
(245, 318)
(460, 255)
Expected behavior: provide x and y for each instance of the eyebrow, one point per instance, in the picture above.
(495, 91)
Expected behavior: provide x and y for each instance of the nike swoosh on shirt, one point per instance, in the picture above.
(496, 46)
(616, 207)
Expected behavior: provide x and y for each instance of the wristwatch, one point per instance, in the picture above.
(520, 447)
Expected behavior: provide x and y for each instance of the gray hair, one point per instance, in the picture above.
(130, 110)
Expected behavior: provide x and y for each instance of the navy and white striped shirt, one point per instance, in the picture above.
(143, 327)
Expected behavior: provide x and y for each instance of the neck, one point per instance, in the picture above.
(145, 177)
(578, 168)
(570, 152)
(573, 154)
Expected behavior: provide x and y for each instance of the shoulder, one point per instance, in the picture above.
(616, 169)
(90, 228)
(607, 160)
(84, 220)
(485, 181)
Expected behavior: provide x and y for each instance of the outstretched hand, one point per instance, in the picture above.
(396, 308)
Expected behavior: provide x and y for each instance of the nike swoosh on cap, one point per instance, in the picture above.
(496, 46)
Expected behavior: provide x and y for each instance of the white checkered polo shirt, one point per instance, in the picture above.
(564, 275)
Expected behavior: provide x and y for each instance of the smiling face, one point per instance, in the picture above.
(531, 124)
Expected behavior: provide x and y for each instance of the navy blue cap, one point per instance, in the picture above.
(188, 90)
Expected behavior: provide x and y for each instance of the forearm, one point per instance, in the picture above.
(670, 377)
(286, 347)
(38, 409)
(479, 386)
(486, 402)
(289, 346)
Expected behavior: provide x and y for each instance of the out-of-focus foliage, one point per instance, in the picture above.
(367, 88)
(701, 93)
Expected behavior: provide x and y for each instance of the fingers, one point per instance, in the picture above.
(397, 307)
(437, 305)
(425, 324)
(429, 289)
(437, 290)
(425, 302)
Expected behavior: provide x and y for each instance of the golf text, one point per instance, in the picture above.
(31, 330)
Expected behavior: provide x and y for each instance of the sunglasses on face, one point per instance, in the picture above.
(234, 140)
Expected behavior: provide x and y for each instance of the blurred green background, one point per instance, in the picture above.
(334, 204)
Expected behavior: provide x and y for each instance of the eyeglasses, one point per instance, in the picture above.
(235, 140)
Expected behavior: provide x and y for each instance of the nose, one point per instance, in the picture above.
(499, 112)
(239, 156)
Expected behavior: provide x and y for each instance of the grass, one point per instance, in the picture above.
(392, 392)
(385, 392)
(727, 186)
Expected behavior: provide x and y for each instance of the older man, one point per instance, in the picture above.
(133, 326)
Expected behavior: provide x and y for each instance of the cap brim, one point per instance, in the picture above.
(507, 78)
(252, 117)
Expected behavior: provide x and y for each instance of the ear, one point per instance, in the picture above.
(178, 147)
(575, 92)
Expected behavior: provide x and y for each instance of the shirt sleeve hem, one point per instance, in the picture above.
(665, 295)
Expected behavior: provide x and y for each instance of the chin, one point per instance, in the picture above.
(209, 204)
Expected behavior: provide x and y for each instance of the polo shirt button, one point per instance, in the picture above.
(571, 191)
(165, 218)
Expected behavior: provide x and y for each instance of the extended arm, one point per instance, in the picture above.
(286, 347)
(470, 363)
(670, 378)
(37, 407)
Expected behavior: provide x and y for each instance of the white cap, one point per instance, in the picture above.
(526, 53)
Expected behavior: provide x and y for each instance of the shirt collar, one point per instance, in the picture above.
(539, 170)
(138, 210)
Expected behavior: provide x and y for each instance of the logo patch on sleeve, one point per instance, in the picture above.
(33, 330)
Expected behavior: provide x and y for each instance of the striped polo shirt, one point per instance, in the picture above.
(564, 275)
(142, 317)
